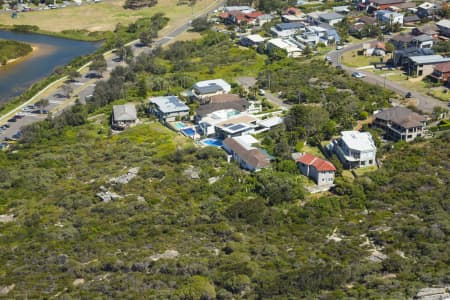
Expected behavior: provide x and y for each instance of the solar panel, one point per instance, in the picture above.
(237, 127)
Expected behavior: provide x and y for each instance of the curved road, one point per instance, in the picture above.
(424, 103)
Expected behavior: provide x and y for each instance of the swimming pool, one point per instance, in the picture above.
(212, 142)
(188, 131)
(179, 125)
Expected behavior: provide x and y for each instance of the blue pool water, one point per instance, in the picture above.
(188, 131)
(213, 142)
(179, 125)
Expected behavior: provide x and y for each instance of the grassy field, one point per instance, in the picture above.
(352, 59)
(102, 16)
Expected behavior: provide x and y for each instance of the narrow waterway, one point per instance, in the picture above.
(50, 52)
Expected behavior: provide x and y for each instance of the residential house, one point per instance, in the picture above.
(212, 123)
(410, 20)
(168, 108)
(400, 123)
(343, 10)
(424, 65)
(316, 168)
(401, 57)
(402, 41)
(123, 116)
(263, 19)
(367, 20)
(284, 30)
(244, 152)
(292, 14)
(428, 29)
(220, 102)
(292, 49)
(427, 10)
(238, 17)
(383, 4)
(444, 27)
(252, 40)
(208, 88)
(331, 18)
(374, 48)
(441, 72)
(389, 17)
(242, 8)
(354, 149)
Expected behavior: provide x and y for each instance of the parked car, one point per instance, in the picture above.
(448, 104)
(262, 92)
(12, 120)
(339, 47)
(4, 127)
(358, 75)
(408, 95)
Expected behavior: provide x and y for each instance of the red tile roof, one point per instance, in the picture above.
(293, 11)
(443, 67)
(224, 15)
(254, 15)
(320, 164)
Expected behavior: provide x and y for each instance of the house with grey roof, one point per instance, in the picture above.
(123, 116)
(168, 108)
(208, 88)
(331, 18)
(444, 27)
(400, 123)
(243, 151)
(354, 149)
(423, 65)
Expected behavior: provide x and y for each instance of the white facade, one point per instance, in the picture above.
(291, 49)
(355, 149)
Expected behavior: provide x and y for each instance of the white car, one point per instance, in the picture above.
(358, 75)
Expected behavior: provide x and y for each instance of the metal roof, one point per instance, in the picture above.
(169, 104)
(429, 59)
(126, 112)
(359, 141)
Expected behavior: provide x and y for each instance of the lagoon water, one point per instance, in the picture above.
(51, 52)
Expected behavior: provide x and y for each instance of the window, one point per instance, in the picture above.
(370, 161)
(363, 163)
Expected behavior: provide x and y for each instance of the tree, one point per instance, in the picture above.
(41, 104)
(73, 74)
(307, 120)
(146, 38)
(67, 90)
(200, 24)
(390, 47)
(98, 64)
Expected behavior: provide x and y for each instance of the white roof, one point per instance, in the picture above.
(220, 82)
(271, 122)
(256, 38)
(443, 23)
(429, 59)
(283, 44)
(357, 140)
(169, 104)
(246, 141)
(126, 112)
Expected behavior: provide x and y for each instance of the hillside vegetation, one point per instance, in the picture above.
(12, 49)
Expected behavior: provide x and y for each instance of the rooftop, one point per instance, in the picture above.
(443, 23)
(387, 2)
(256, 38)
(429, 59)
(357, 140)
(401, 116)
(252, 156)
(212, 86)
(318, 163)
(443, 67)
(124, 112)
(331, 16)
(169, 104)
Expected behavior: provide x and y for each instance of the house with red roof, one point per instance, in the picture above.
(316, 168)
(441, 72)
(238, 17)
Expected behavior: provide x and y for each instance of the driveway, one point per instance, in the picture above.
(423, 102)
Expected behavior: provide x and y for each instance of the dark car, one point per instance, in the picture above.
(12, 120)
(408, 95)
(93, 75)
(4, 127)
(18, 116)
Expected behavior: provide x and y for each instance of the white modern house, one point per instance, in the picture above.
(354, 149)
(316, 168)
(210, 88)
(289, 46)
(227, 122)
(168, 108)
(389, 17)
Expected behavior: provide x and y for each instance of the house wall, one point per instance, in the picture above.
(323, 178)
(359, 159)
(420, 70)
(169, 117)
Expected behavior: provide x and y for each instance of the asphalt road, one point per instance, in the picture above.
(423, 102)
(84, 86)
